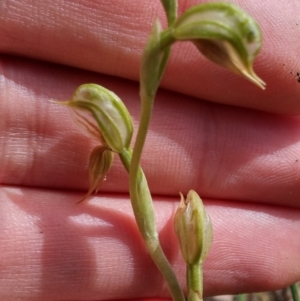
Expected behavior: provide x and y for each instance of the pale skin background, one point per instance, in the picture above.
(237, 146)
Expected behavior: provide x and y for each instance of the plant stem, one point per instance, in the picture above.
(241, 297)
(140, 196)
(143, 209)
(295, 293)
(147, 101)
(194, 276)
(170, 7)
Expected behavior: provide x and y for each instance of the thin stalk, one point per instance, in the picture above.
(295, 293)
(170, 7)
(143, 209)
(146, 112)
(140, 196)
(147, 102)
(241, 297)
(194, 276)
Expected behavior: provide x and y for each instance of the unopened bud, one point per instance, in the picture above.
(193, 228)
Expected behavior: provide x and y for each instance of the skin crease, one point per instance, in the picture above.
(211, 131)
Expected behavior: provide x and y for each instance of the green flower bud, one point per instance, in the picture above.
(193, 228)
(224, 34)
(101, 159)
(102, 115)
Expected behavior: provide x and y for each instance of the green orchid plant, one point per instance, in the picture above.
(224, 34)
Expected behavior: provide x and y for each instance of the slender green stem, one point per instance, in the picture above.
(139, 192)
(295, 293)
(170, 7)
(241, 297)
(146, 112)
(144, 214)
(147, 101)
(194, 276)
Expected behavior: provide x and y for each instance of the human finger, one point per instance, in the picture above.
(222, 152)
(104, 39)
(53, 249)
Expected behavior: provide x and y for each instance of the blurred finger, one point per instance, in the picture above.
(110, 39)
(53, 249)
(222, 152)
